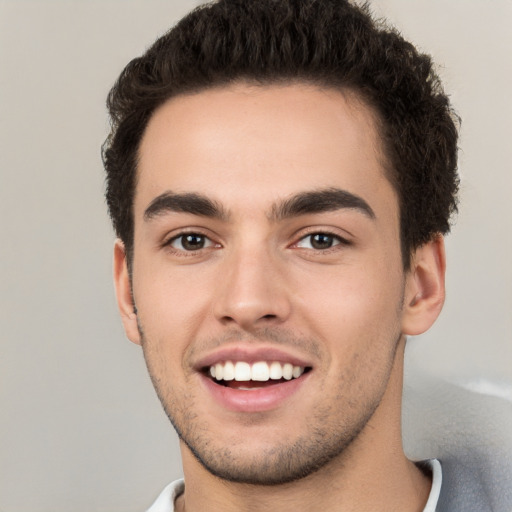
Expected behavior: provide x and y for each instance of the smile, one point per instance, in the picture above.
(260, 371)
(247, 379)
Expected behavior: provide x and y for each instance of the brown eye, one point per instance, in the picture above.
(320, 241)
(191, 242)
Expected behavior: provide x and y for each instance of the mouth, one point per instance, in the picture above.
(245, 376)
(250, 379)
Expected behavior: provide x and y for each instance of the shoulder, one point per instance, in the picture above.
(466, 426)
(467, 487)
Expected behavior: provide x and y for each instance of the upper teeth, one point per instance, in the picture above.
(260, 371)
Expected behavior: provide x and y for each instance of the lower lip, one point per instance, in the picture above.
(253, 400)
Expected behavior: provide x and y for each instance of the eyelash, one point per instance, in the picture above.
(336, 241)
(169, 243)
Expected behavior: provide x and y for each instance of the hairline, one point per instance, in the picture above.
(354, 97)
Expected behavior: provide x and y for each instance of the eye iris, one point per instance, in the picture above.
(321, 241)
(192, 242)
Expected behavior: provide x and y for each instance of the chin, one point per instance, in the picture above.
(285, 461)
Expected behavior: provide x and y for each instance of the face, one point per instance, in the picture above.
(267, 254)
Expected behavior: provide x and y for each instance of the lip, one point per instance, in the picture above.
(255, 400)
(250, 355)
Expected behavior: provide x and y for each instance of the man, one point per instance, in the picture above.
(280, 175)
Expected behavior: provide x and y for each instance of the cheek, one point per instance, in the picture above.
(170, 304)
(352, 303)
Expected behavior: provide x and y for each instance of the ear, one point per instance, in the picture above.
(425, 287)
(124, 293)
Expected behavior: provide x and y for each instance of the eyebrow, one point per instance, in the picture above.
(192, 203)
(303, 203)
(318, 201)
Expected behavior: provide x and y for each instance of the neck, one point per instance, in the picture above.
(373, 473)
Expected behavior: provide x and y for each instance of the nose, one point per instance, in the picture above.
(252, 290)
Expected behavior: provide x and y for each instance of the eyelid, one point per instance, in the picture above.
(208, 241)
(335, 242)
(314, 230)
(176, 234)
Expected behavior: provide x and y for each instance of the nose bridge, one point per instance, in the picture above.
(252, 287)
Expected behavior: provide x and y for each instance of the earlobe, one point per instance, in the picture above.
(425, 287)
(124, 293)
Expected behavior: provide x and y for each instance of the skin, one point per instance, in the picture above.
(335, 444)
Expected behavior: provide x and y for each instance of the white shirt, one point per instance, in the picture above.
(165, 502)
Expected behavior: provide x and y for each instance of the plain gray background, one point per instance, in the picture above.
(80, 427)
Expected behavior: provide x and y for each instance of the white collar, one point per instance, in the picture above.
(437, 479)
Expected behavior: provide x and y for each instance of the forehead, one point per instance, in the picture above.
(264, 142)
